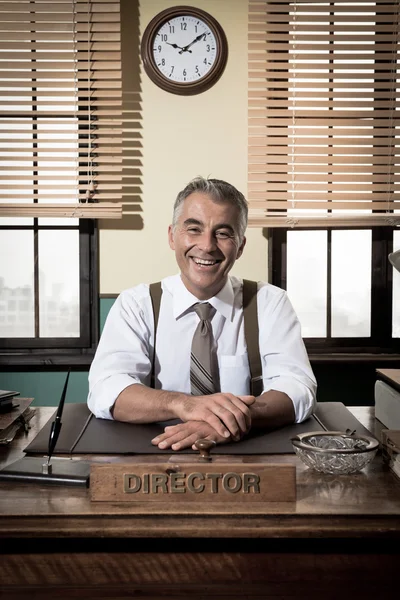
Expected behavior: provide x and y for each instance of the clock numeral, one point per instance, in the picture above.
(208, 47)
(172, 28)
(205, 61)
(159, 48)
(172, 70)
(183, 26)
(184, 72)
(163, 62)
(197, 69)
(164, 37)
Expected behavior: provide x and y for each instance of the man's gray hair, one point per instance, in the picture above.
(220, 191)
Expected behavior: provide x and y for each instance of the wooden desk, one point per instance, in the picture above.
(339, 540)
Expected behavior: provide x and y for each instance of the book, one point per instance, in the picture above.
(5, 394)
(391, 449)
(6, 400)
(387, 405)
(15, 419)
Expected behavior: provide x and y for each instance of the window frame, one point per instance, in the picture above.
(64, 351)
(380, 342)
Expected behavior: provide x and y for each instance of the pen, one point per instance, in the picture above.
(56, 427)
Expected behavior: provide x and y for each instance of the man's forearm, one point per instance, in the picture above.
(226, 413)
(140, 404)
(271, 410)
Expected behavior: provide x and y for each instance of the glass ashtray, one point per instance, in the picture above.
(335, 452)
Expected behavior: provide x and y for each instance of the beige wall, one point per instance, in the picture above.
(183, 137)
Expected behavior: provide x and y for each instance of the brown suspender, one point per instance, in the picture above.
(251, 335)
(250, 330)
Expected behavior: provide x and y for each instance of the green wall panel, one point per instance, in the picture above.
(105, 305)
(46, 387)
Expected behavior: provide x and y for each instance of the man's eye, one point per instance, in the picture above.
(222, 234)
(193, 229)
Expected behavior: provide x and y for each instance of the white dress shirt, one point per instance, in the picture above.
(125, 351)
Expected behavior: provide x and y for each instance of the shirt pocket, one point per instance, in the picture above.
(234, 374)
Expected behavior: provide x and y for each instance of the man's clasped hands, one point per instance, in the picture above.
(220, 417)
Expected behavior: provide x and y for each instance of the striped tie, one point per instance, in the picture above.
(201, 364)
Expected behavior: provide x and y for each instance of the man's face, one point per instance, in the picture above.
(206, 244)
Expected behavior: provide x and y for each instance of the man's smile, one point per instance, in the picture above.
(204, 263)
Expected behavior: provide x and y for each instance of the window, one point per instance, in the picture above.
(48, 291)
(60, 145)
(323, 163)
(342, 286)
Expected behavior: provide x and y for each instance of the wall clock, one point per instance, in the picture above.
(184, 50)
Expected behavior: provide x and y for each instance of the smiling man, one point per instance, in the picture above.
(201, 367)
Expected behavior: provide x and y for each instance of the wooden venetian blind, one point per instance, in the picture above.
(62, 127)
(324, 113)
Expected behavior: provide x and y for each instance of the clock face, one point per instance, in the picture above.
(184, 49)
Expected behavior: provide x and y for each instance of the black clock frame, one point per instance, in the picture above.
(177, 87)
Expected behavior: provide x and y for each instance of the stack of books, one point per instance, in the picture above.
(15, 414)
(391, 449)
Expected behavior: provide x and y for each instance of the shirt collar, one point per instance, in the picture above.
(223, 302)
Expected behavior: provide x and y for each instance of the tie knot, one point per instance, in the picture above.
(203, 310)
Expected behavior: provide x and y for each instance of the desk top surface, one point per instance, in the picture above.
(366, 504)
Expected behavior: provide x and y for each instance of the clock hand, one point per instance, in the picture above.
(175, 46)
(196, 39)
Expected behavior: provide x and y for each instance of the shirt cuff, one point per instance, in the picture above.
(302, 397)
(104, 394)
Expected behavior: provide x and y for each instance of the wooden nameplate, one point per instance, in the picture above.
(192, 479)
